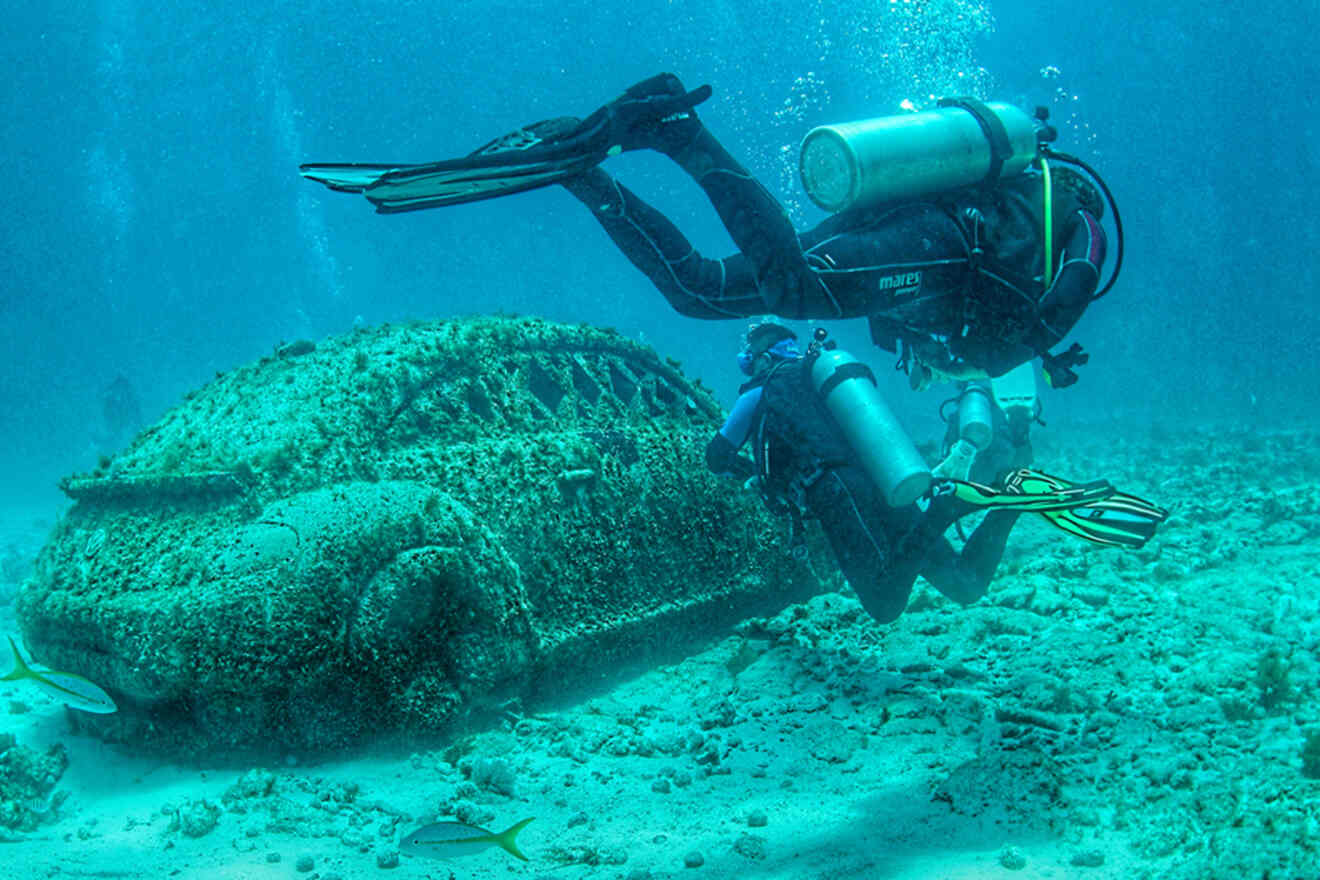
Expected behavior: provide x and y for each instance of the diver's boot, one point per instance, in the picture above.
(654, 114)
(594, 188)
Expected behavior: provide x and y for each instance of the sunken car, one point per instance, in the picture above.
(387, 531)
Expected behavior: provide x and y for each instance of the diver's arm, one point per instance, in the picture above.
(722, 458)
(1063, 303)
(722, 452)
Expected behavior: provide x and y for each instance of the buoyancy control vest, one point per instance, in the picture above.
(965, 147)
(992, 322)
(793, 436)
(823, 411)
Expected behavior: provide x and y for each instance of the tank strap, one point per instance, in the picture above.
(761, 444)
(843, 374)
(995, 133)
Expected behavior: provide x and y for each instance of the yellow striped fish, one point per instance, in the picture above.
(444, 840)
(71, 690)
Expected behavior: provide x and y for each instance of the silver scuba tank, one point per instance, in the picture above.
(895, 157)
(975, 419)
(886, 452)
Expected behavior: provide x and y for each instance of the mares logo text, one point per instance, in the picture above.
(902, 284)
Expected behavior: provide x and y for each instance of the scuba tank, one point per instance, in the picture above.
(974, 430)
(848, 389)
(962, 142)
(975, 418)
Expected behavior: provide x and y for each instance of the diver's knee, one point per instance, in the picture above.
(964, 593)
(884, 606)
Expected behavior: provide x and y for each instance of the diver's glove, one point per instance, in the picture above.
(957, 465)
(655, 114)
(1058, 368)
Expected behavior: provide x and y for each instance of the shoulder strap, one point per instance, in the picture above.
(995, 133)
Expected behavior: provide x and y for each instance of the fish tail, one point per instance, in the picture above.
(20, 668)
(506, 839)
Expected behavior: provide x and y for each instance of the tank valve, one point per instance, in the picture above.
(819, 343)
(1045, 133)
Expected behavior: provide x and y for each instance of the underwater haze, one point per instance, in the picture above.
(158, 229)
(215, 665)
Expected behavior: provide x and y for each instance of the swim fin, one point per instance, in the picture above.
(1120, 520)
(530, 157)
(1034, 498)
(533, 156)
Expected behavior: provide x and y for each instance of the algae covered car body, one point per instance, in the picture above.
(384, 531)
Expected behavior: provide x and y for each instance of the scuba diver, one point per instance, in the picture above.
(825, 446)
(956, 233)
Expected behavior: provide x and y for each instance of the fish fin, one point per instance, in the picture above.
(506, 839)
(20, 670)
(70, 689)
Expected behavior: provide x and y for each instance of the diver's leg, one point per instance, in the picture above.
(756, 221)
(758, 225)
(965, 577)
(694, 285)
(985, 548)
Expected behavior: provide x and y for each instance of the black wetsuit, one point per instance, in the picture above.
(805, 464)
(955, 278)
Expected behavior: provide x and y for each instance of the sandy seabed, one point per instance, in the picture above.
(1101, 714)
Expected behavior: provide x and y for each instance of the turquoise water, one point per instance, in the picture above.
(1098, 714)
